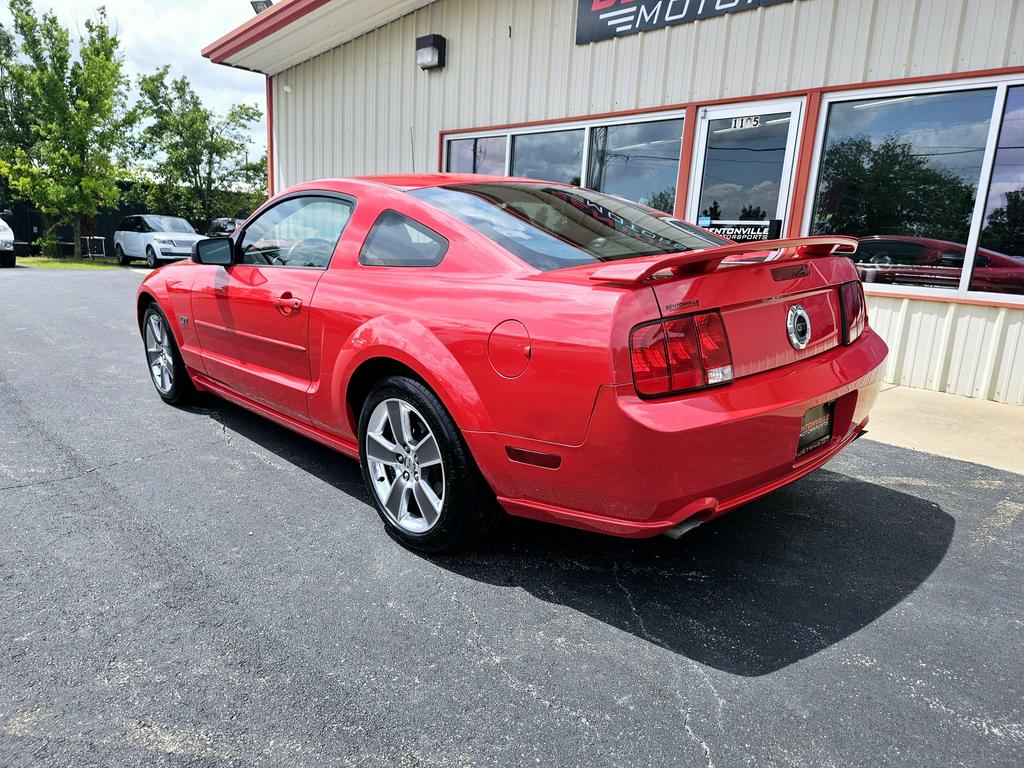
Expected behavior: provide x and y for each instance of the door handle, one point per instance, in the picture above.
(287, 304)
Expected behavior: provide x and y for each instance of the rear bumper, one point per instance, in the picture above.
(646, 466)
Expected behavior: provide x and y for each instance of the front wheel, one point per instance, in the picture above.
(166, 368)
(421, 477)
(151, 261)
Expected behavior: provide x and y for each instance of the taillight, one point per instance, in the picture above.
(680, 354)
(855, 315)
(650, 360)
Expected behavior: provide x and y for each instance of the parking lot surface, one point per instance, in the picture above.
(198, 587)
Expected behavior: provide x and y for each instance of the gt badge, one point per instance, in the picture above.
(798, 327)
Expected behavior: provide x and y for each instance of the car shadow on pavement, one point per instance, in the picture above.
(770, 584)
(308, 455)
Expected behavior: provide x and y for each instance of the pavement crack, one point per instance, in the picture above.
(637, 618)
(708, 760)
(102, 467)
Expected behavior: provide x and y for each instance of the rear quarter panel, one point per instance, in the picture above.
(439, 325)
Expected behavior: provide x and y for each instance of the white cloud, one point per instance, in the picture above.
(155, 33)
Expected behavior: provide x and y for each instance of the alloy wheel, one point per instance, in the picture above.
(405, 466)
(159, 353)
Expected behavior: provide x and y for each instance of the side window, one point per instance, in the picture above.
(886, 252)
(952, 258)
(300, 232)
(398, 241)
(143, 225)
(125, 225)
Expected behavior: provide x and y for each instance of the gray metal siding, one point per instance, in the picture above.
(365, 107)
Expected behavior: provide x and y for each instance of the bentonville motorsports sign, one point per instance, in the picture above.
(604, 19)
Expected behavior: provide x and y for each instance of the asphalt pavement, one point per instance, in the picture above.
(198, 587)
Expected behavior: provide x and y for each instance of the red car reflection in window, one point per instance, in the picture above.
(933, 263)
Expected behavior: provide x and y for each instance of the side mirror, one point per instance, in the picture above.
(217, 251)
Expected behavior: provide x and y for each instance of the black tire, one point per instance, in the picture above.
(123, 260)
(7, 260)
(181, 390)
(151, 260)
(469, 510)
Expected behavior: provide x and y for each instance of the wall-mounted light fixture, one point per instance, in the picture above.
(261, 5)
(430, 51)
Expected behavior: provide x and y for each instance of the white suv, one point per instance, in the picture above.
(6, 245)
(154, 238)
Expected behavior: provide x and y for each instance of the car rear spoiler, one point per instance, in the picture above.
(707, 260)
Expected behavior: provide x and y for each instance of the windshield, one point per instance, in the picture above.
(169, 224)
(552, 227)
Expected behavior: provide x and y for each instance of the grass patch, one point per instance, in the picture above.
(48, 263)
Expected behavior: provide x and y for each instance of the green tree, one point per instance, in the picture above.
(752, 212)
(1004, 229)
(714, 211)
(66, 116)
(664, 200)
(200, 167)
(14, 128)
(890, 189)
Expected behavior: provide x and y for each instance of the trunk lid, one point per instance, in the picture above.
(756, 299)
(756, 287)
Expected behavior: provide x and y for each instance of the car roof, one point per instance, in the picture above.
(408, 181)
(931, 242)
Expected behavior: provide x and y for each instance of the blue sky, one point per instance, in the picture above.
(173, 32)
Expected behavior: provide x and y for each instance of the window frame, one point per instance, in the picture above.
(1001, 84)
(377, 223)
(238, 236)
(567, 125)
(795, 105)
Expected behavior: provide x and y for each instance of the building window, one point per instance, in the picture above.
(999, 263)
(639, 161)
(902, 173)
(555, 156)
(484, 155)
(743, 167)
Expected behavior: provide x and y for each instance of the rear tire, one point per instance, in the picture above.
(166, 368)
(151, 260)
(123, 260)
(421, 477)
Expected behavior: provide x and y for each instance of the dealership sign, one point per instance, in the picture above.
(743, 231)
(604, 19)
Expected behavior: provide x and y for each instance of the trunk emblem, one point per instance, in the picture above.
(798, 327)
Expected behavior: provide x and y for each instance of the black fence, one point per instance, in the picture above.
(27, 224)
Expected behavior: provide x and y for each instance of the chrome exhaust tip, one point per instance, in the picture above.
(684, 527)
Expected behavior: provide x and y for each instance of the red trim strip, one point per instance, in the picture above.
(805, 155)
(685, 160)
(264, 24)
(270, 136)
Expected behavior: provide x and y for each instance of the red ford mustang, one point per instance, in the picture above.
(575, 355)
